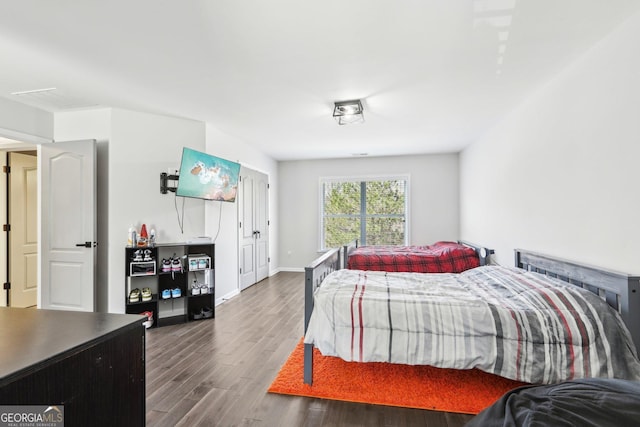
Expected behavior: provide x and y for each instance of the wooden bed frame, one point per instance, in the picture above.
(620, 290)
(484, 254)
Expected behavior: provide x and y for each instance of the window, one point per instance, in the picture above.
(373, 210)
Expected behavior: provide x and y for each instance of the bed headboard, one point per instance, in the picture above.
(620, 290)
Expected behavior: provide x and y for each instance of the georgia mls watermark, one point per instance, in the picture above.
(31, 416)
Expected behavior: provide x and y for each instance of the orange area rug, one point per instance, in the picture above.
(422, 387)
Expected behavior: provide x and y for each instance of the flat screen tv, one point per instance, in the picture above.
(208, 177)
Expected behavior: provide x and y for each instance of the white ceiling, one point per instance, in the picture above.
(433, 75)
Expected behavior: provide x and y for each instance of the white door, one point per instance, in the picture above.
(23, 234)
(247, 235)
(261, 199)
(68, 224)
(253, 206)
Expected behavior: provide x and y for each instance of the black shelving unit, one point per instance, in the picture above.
(196, 270)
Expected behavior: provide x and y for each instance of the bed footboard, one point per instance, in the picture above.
(621, 291)
(484, 254)
(314, 274)
(347, 250)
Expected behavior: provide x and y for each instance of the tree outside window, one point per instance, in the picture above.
(371, 210)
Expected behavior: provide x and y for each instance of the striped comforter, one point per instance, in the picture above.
(506, 321)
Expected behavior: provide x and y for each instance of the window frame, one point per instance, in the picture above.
(363, 178)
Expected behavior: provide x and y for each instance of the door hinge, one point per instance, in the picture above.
(7, 285)
(6, 169)
(6, 227)
(268, 259)
(240, 271)
(240, 224)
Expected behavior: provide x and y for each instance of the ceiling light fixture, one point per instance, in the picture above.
(346, 112)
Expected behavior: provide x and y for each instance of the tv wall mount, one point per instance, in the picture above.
(168, 183)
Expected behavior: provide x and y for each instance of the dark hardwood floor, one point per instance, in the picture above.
(216, 372)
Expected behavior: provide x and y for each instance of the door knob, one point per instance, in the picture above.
(87, 245)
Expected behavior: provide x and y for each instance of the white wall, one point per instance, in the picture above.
(434, 199)
(24, 123)
(560, 174)
(223, 145)
(94, 124)
(140, 147)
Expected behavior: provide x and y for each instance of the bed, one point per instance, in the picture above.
(440, 257)
(586, 338)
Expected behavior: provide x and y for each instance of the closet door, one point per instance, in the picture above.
(253, 205)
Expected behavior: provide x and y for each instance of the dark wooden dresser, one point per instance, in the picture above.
(92, 363)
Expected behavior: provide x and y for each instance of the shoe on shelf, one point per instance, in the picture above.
(149, 322)
(176, 264)
(147, 255)
(204, 289)
(166, 265)
(146, 294)
(166, 293)
(134, 295)
(137, 256)
(207, 312)
(197, 315)
(176, 293)
(195, 289)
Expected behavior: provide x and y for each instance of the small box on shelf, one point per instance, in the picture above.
(142, 268)
(199, 262)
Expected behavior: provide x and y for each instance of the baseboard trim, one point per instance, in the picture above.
(227, 297)
(292, 269)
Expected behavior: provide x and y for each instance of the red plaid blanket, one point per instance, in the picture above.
(441, 257)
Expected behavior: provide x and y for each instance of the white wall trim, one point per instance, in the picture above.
(24, 137)
(227, 297)
(291, 270)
